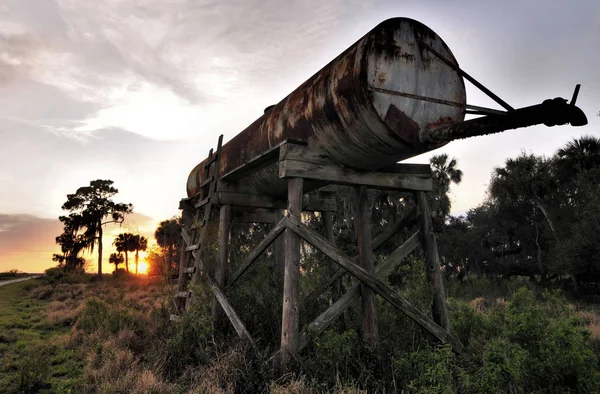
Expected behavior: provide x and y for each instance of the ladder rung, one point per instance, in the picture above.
(208, 181)
(189, 270)
(192, 247)
(183, 294)
(212, 160)
(202, 203)
(175, 318)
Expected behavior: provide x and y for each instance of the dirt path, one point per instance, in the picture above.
(7, 282)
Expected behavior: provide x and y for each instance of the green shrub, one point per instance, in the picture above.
(529, 345)
(190, 342)
(98, 316)
(428, 370)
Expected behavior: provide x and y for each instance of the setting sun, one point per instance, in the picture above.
(143, 267)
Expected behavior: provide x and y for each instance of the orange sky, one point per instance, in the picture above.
(27, 242)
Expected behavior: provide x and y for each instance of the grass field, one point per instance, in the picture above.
(74, 334)
(34, 356)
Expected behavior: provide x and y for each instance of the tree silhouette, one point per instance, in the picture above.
(138, 243)
(444, 173)
(116, 259)
(91, 207)
(124, 243)
(168, 237)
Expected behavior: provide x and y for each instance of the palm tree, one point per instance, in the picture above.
(116, 259)
(444, 173)
(138, 243)
(124, 243)
(168, 237)
(579, 155)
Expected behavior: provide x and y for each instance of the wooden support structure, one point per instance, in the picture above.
(290, 321)
(432, 263)
(302, 168)
(406, 220)
(373, 283)
(362, 225)
(222, 256)
(326, 318)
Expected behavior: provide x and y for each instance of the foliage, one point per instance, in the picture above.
(540, 220)
(91, 207)
(168, 238)
(116, 259)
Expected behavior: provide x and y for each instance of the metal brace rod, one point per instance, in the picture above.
(482, 110)
(468, 77)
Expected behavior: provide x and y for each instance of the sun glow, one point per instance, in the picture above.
(142, 267)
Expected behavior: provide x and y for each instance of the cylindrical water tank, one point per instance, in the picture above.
(366, 108)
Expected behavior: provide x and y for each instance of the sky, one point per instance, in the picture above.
(139, 91)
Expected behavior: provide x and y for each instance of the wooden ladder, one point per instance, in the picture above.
(194, 240)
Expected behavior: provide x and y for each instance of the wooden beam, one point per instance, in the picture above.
(432, 263)
(290, 321)
(318, 156)
(257, 163)
(373, 283)
(406, 220)
(235, 320)
(327, 218)
(309, 202)
(279, 249)
(222, 256)
(362, 225)
(255, 253)
(256, 217)
(335, 173)
(325, 319)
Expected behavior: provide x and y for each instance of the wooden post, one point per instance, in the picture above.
(362, 222)
(432, 263)
(290, 320)
(222, 257)
(279, 247)
(328, 226)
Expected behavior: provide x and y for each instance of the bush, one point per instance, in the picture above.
(98, 316)
(529, 345)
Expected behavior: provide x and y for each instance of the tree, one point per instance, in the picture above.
(71, 243)
(138, 243)
(116, 259)
(92, 207)
(168, 237)
(124, 243)
(444, 173)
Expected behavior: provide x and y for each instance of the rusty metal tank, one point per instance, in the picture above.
(394, 94)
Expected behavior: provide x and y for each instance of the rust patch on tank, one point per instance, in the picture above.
(443, 121)
(401, 126)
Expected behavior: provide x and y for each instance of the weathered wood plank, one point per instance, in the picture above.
(256, 217)
(325, 319)
(406, 220)
(232, 315)
(420, 170)
(222, 256)
(319, 156)
(330, 236)
(279, 247)
(290, 321)
(255, 253)
(373, 283)
(310, 203)
(432, 263)
(257, 163)
(362, 224)
(335, 173)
